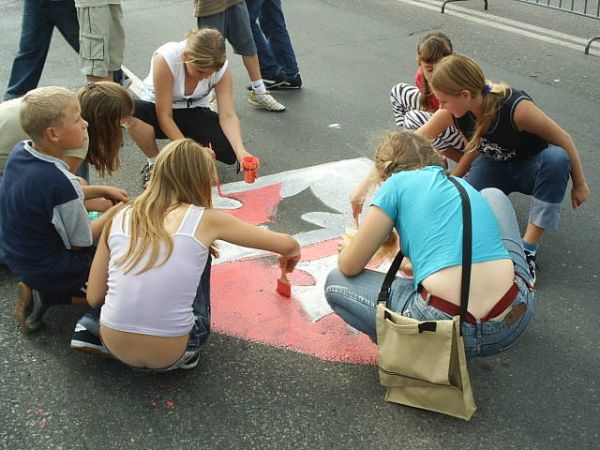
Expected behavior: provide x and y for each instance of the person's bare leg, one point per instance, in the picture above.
(143, 135)
(94, 79)
(252, 67)
(533, 234)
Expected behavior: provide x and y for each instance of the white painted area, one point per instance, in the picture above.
(513, 26)
(331, 183)
(311, 298)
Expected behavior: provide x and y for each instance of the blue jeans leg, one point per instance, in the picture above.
(275, 30)
(269, 67)
(509, 229)
(39, 19)
(544, 176)
(354, 299)
(201, 307)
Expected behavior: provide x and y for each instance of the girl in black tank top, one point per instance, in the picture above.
(512, 144)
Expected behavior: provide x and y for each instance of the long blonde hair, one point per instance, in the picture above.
(457, 73)
(205, 49)
(431, 48)
(103, 105)
(183, 174)
(404, 150)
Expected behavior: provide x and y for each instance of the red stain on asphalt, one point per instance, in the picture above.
(258, 206)
(246, 305)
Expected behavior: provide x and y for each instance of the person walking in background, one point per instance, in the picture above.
(276, 55)
(231, 18)
(101, 37)
(39, 19)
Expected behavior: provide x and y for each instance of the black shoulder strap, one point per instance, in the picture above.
(466, 258)
(465, 282)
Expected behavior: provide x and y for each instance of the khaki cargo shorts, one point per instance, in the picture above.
(101, 39)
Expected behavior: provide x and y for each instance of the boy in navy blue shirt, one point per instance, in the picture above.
(45, 228)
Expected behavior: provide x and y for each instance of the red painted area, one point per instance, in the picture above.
(245, 304)
(258, 206)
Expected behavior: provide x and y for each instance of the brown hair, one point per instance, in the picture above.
(431, 48)
(404, 150)
(44, 107)
(103, 105)
(457, 73)
(205, 49)
(183, 174)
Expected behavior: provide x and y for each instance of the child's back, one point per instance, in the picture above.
(43, 217)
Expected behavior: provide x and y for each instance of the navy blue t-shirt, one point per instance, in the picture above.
(42, 217)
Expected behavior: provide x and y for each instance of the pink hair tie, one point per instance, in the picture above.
(486, 89)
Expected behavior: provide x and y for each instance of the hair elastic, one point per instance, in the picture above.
(486, 89)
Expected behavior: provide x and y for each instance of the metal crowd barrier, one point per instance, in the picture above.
(452, 1)
(586, 8)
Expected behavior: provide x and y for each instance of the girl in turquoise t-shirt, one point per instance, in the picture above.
(424, 207)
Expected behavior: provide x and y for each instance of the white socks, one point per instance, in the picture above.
(258, 86)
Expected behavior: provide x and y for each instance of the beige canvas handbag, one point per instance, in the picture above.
(423, 364)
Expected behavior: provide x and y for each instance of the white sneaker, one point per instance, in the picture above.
(265, 101)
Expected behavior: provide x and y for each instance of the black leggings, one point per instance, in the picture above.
(200, 124)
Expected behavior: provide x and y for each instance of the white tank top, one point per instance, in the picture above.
(171, 52)
(157, 302)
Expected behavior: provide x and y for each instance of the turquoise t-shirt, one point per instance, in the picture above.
(427, 213)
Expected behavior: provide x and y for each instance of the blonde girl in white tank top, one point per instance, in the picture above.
(176, 203)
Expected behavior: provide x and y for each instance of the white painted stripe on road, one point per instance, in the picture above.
(509, 25)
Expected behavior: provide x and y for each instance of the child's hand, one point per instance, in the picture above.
(343, 243)
(357, 200)
(579, 194)
(288, 263)
(115, 195)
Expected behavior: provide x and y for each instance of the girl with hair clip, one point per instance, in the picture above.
(107, 108)
(512, 144)
(413, 106)
(418, 200)
(151, 271)
(175, 100)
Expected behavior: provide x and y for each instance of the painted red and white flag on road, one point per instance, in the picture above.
(312, 205)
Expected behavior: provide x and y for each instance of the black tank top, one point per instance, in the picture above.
(503, 141)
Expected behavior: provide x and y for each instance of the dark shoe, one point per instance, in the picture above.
(86, 341)
(271, 83)
(146, 173)
(291, 83)
(29, 308)
(533, 267)
(192, 362)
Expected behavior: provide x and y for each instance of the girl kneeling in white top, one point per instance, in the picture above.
(175, 99)
(151, 271)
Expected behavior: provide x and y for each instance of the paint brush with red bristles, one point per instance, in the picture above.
(283, 283)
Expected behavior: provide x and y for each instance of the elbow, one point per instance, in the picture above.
(347, 268)
(95, 301)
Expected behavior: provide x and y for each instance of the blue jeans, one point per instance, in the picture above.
(273, 44)
(544, 175)
(354, 299)
(39, 19)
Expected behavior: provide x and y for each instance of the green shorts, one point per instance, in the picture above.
(101, 39)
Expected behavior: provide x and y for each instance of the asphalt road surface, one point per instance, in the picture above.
(542, 394)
